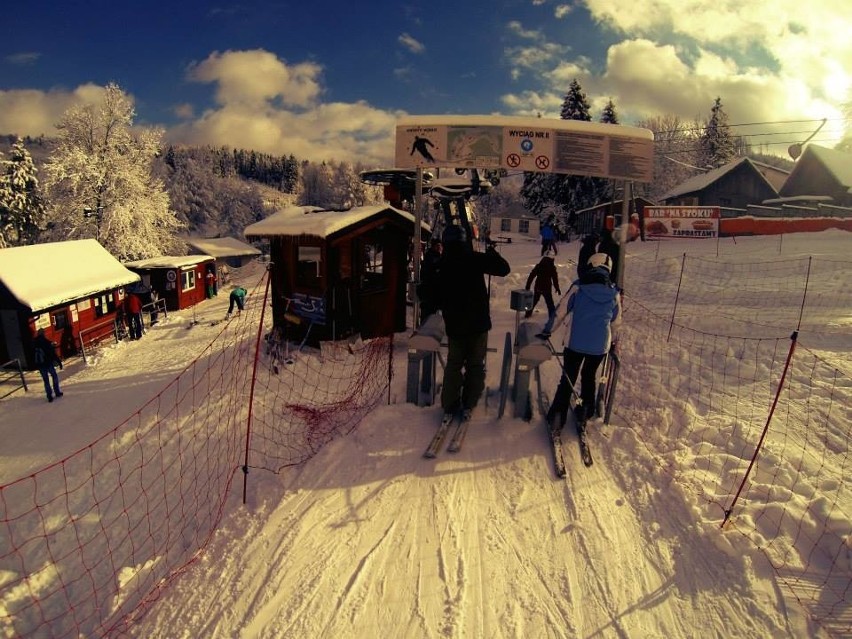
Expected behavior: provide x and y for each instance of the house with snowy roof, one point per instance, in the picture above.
(336, 273)
(734, 185)
(820, 175)
(228, 252)
(70, 289)
(179, 280)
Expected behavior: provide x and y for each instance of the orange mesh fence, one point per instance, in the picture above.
(720, 388)
(88, 543)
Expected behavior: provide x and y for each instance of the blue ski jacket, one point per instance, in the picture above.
(594, 305)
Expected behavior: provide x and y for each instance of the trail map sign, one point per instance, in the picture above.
(525, 144)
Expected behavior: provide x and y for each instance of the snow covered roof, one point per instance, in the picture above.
(222, 246)
(42, 276)
(169, 261)
(837, 163)
(702, 181)
(313, 220)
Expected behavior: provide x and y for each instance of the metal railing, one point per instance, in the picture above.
(10, 371)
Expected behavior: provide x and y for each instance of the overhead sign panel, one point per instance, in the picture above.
(526, 144)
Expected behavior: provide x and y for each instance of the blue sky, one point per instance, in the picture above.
(327, 79)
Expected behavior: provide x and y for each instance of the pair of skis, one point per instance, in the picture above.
(555, 432)
(463, 421)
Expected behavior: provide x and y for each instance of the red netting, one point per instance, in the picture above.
(721, 388)
(89, 542)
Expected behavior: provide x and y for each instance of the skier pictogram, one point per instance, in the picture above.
(420, 145)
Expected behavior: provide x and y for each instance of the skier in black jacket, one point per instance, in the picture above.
(464, 303)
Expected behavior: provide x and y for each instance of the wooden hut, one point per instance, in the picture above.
(335, 273)
(179, 280)
(70, 289)
(229, 253)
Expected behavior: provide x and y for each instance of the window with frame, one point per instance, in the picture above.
(308, 264)
(374, 268)
(523, 226)
(505, 225)
(104, 304)
(187, 279)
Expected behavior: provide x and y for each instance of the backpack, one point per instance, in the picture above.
(38, 355)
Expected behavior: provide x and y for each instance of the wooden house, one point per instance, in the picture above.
(229, 253)
(179, 280)
(734, 185)
(820, 175)
(336, 273)
(70, 289)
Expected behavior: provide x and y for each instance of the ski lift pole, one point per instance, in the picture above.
(622, 241)
(415, 254)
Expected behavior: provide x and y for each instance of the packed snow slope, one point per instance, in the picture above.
(369, 539)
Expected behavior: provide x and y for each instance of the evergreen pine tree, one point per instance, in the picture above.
(717, 145)
(22, 207)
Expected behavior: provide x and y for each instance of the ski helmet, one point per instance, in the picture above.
(600, 259)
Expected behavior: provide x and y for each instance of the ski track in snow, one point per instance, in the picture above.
(368, 539)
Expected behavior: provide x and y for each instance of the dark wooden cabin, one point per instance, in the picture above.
(338, 273)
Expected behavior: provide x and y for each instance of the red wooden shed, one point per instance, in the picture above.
(70, 289)
(179, 280)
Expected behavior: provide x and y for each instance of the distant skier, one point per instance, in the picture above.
(595, 303)
(420, 145)
(45, 357)
(237, 297)
(546, 279)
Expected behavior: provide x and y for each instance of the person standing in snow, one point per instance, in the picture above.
(463, 299)
(546, 279)
(588, 247)
(548, 238)
(211, 281)
(237, 297)
(45, 358)
(426, 289)
(134, 315)
(594, 303)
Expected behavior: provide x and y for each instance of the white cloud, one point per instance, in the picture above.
(411, 43)
(23, 59)
(256, 76)
(34, 113)
(769, 61)
(562, 10)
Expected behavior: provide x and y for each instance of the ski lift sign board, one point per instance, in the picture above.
(526, 144)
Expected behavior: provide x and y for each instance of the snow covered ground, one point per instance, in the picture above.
(368, 539)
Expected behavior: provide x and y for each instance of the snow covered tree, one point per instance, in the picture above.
(609, 114)
(717, 145)
(675, 155)
(22, 207)
(101, 184)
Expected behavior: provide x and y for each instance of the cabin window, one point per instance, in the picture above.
(187, 280)
(523, 226)
(308, 266)
(60, 320)
(374, 269)
(104, 304)
(506, 225)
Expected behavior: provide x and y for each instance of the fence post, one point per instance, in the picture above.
(793, 339)
(253, 380)
(677, 295)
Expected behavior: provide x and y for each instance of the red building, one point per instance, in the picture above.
(70, 289)
(179, 280)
